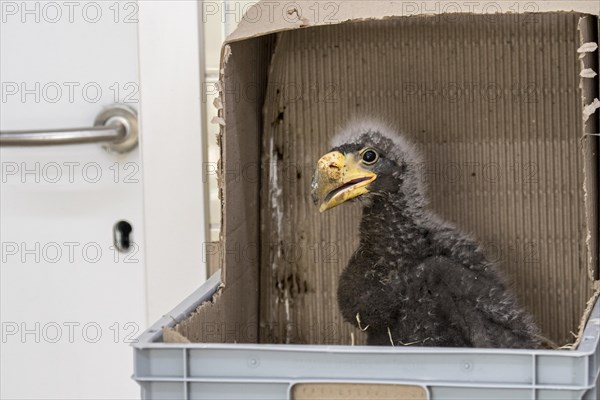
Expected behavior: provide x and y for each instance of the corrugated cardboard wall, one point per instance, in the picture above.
(232, 315)
(496, 105)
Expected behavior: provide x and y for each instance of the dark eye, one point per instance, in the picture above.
(370, 156)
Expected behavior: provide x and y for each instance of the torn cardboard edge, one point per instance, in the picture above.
(588, 32)
(590, 109)
(180, 332)
(240, 34)
(587, 315)
(170, 335)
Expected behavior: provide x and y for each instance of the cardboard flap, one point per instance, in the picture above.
(267, 16)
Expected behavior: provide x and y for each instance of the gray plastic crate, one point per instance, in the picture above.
(259, 371)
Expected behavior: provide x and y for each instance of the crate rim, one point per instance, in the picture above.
(149, 339)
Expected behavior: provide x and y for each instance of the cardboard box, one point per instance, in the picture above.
(501, 98)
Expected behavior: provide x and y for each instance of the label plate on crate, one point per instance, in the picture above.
(357, 391)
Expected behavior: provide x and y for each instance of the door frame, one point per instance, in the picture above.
(172, 140)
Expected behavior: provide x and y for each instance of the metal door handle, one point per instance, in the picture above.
(117, 126)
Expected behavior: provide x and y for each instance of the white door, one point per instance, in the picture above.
(72, 296)
(70, 301)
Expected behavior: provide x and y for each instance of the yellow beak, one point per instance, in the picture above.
(339, 178)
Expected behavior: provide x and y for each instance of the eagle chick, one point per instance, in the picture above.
(414, 278)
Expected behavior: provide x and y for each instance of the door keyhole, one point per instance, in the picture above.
(122, 236)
